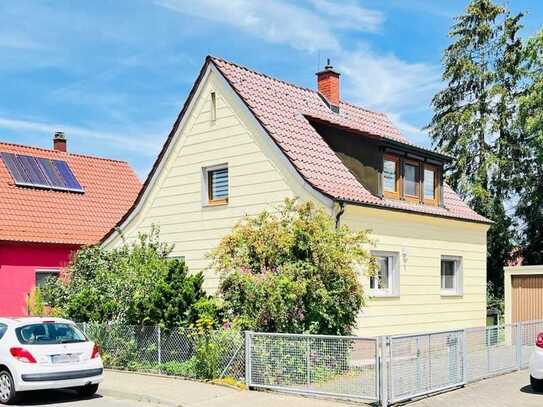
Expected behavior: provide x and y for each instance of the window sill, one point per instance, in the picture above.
(450, 294)
(383, 295)
(222, 202)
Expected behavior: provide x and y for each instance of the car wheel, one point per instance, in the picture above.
(537, 384)
(87, 391)
(7, 388)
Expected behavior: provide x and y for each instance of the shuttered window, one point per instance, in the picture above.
(217, 183)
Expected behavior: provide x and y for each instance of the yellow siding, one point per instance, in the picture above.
(424, 239)
(260, 177)
(175, 201)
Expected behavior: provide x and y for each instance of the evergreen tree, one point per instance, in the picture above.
(530, 176)
(474, 118)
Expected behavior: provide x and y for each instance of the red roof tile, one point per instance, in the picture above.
(34, 215)
(283, 108)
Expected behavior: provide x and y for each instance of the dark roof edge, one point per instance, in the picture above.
(162, 151)
(386, 140)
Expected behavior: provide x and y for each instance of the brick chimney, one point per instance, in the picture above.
(328, 85)
(59, 141)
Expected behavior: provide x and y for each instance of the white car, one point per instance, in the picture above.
(536, 365)
(46, 353)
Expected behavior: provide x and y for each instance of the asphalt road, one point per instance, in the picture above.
(66, 398)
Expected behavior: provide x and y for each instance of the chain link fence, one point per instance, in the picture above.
(420, 364)
(340, 366)
(387, 369)
(180, 352)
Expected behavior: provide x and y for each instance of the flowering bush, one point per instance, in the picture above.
(293, 271)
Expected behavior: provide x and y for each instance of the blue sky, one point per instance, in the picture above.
(113, 74)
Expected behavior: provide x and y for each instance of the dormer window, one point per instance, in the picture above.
(410, 180)
(391, 176)
(430, 185)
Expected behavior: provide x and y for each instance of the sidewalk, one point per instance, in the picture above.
(178, 392)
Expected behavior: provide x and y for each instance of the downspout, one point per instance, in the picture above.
(340, 212)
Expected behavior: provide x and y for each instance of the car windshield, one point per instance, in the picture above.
(49, 333)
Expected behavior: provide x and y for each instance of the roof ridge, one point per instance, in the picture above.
(292, 84)
(50, 150)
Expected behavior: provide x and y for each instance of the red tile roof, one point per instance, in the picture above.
(45, 216)
(283, 108)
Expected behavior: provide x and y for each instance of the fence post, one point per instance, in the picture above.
(464, 356)
(308, 361)
(518, 334)
(248, 351)
(383, 382)
(159, 350)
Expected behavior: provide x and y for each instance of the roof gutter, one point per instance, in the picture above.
(340, 212)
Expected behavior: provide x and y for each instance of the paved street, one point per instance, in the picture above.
(58, 398)
(510, 390)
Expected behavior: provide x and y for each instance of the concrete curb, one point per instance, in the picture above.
(137, 397)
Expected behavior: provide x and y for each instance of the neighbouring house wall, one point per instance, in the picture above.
(523, 292)
(18, 265)
(420, 306)
(258, 178)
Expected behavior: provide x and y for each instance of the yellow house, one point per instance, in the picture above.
(244, 141)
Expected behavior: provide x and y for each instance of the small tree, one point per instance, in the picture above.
(136, 284)
(292, 270)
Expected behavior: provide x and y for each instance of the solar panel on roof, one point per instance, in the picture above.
(9, 160)
(41, 172)
(67, 175)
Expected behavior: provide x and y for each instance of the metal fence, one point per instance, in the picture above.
(339, 366)
(179, 352)
(421, 364)
(386, 369)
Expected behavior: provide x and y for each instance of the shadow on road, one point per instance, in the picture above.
(528, 389)
(43, 398)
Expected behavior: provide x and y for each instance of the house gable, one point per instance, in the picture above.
(259, 175)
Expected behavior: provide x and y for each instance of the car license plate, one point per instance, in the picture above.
(64, 358)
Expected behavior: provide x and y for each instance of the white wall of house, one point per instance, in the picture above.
(260, 177)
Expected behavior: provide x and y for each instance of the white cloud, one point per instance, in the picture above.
(281, 22)
(349, 15)
(413, 133)
(387, 83)
(135, 143)
(383, 82)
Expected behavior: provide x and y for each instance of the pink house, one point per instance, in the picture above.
(51, 203)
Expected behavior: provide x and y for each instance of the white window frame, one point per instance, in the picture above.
(458, 277)
(205, 184)
(394, 277)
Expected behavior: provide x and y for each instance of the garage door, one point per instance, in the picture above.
(527, 298)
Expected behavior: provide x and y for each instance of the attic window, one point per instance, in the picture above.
(38, 172)
(216, 185)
